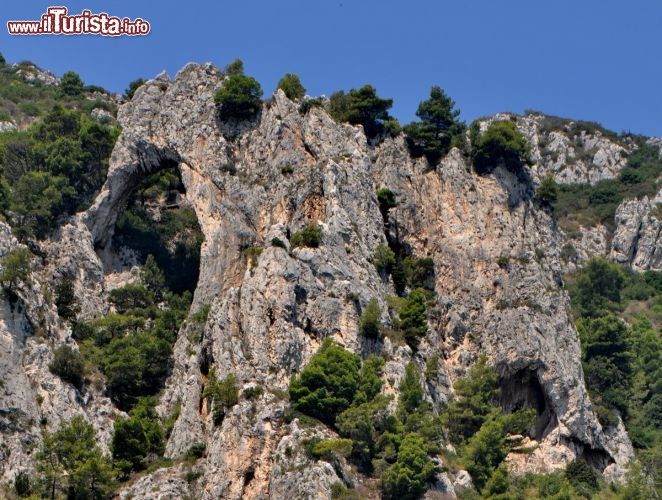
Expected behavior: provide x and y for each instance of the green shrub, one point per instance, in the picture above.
(383, 259)
(197, 450)
(370, 380)
(548, 191)
(236, 67)
(71, 84)
(201, 314)
(253, 392)
(277, 242)
(597, 288)
(37, 199)
(223, 394)
(291, 85)
(310, 236)
(503, 261)
(252, 253)
(70, 463)
(309, 104)
(361, 107)
(69, 365)
(412, 319)
(407, 478)
(22, 484)
(475, 393)
(501, 143)
(15, 267)
(387, 200)
(327, 385)
(438, 129)
(239, 98)
(130, 297)
(328, 449)
(135, 366)
(65, 299)
(137, 437)
(287, 169)
(369, 322)
(582, 476)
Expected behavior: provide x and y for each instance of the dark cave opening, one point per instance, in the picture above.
(523, 390)
(157, 220)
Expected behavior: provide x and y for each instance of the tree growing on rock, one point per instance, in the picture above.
(439, 127)
(240, 98)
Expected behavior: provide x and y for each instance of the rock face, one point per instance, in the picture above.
(637, 240)
(497, 260)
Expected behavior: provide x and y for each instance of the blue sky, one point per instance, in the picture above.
(590, 59)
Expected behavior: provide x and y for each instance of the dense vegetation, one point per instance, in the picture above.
(619, 315)
(501, 143)
(53, 169)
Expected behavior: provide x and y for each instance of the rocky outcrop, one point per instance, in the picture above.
(497, 261)
(568, 151)
(637, 239)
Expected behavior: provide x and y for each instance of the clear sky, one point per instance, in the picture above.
(596, 60)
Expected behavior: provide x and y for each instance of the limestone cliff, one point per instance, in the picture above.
(267, 320)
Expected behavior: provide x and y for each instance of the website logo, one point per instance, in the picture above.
(56, 21)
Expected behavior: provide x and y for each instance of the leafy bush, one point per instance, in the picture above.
(137, 437)
(383, 259)
(223, 394)
(328, 449)
(501, 143)
(327, 385)
(548, 191)
(65, 299)
(412, 319)
(197, 450)
(22, 484)
(310, 236)
(252, 253)
(406, 479)
(277, 242)
(597, 288)
(253, 392)
(236, 67)
(582, 476)
(70, 462)
(15, 267)
(439, 128)
(69, 365)
(71, 84)
(291, 85)
(369, 322)
(475, 394)
(309, 104)
(387, 200)
(361, 107)
(239, 98)
(135, 366)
